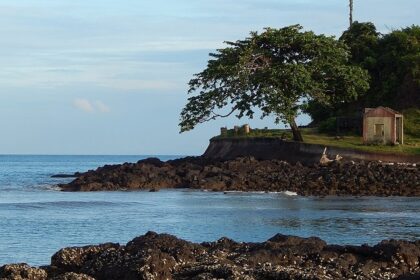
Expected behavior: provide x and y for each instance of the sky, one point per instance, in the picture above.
(110, 77)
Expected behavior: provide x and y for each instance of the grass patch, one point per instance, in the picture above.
(411, 146)
(312, 136)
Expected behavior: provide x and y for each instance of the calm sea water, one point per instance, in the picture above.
(36, 220)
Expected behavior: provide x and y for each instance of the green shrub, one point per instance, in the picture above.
(328, 126)
(412, 122)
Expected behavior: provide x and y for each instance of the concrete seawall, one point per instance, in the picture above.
(276, 148)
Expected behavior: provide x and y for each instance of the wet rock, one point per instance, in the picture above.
(163, 256)
(73, 259)
(176, 248)
(249, 174)
(21, 272)
(73, 276)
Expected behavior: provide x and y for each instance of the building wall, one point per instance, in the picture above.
(389, 130)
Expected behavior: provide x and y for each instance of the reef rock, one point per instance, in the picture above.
(162, 256)
(249, 174)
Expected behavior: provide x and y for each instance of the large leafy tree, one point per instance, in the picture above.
(393, 63)
(276, 71)
(398, 69)
(362, 40)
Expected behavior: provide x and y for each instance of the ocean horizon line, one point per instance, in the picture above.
(81, 155)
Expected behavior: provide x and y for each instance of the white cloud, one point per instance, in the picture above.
(102, 107)
(84, 105)
(88, 106)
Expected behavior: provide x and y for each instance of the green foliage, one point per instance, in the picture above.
(328, 126)
(273, 71)
(319, 112)
(398, 68)
(278, 133)
(356, 143)
(412, 122)
(362, 39)
(393, 63)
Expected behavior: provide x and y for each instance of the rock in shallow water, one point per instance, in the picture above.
(73, 276)
(163, 256)
(22, 272)
(249, 174)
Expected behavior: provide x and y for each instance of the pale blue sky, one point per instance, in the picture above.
(110, 77)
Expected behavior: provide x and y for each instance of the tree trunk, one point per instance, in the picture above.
(351, 12)
(297, 136)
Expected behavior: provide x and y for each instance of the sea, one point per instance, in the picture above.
(36, 219)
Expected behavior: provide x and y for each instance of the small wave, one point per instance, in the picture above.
(245, 192)
(50, 188)
(289, 193)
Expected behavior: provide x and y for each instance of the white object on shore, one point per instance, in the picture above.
(289, 193)
(325, 160)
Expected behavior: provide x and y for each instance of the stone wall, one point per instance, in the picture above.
(275, 148)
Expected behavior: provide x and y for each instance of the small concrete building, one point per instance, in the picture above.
(382, 125)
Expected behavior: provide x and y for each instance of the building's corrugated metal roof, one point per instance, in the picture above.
(389, 110)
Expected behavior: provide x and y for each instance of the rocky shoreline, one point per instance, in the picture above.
(163, 256)
(249, 174)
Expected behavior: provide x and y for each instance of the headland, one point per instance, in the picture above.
(263, 165)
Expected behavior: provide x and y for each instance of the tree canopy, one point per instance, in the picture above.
(276, 71)
(393, 63)
(398, 69)
(362, 40)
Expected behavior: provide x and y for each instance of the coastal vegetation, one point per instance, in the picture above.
(284, 72)
(412, 122)
(393, 63)
(350, 141)
(277, 71)
(325, 134)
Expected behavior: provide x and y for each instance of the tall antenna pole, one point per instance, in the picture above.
(351, 12)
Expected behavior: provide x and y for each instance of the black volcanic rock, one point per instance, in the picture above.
(249, 174)
(73, 276)
(163, 256)
(21, 271)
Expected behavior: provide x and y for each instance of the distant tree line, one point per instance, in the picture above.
(393, 63)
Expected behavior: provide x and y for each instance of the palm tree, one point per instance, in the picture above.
(351, 12)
